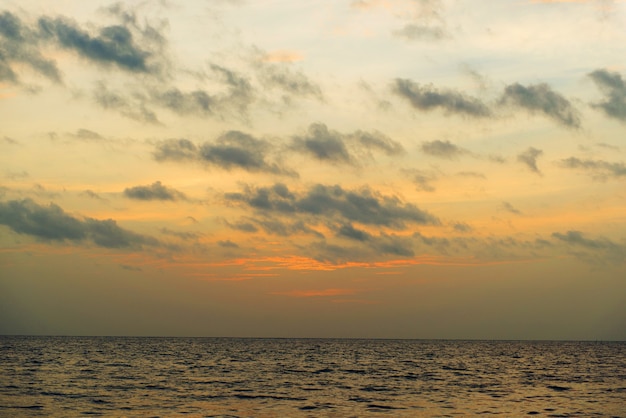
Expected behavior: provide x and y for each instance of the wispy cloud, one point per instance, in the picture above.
(529, 159)
(599, 169)
(442, 149)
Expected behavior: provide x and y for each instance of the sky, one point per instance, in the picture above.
(337, 168)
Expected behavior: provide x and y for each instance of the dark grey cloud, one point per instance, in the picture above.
(529, 158)
(338, 148)
(600, 170)
(540, 98)
(442, 149)
(231, 150)
(393, 244)
(19, 44)
(381, 244)
(614, 88)
(236, 149)
(323, 144)
(347, 230)
(51, 223)
(155, 191)
(333, 202)
(113, 45)
(427, 98)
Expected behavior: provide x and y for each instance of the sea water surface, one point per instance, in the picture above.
(230, 377)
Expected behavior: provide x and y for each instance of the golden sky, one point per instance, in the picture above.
(366, 168)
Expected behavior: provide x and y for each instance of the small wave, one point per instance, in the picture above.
(386, 407)
(559, 388)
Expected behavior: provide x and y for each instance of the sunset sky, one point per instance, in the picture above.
(336, 168)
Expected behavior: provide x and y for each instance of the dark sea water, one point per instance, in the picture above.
(227, 377)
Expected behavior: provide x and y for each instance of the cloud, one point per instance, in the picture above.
(292, 83)
(236, 149)
(182, 235)
(442, 149)
(423, 179)
(133, 107)
(333, 202)
(231, 150)
(9, 141)
(600, 169)
(529, 158)
(461, 227)
(510, 208)
(427, 98)
(155, 191)
(540, 98)
(91, 194)
(196, 102)
(227, 244)
(378, 141)
(243, 226)
(614, 251)
(176, 150)
(87, 135)
(471, 174)
(20, 44)
(415, 31)
(347, 230)
(112, 45)
(51, 223)
(614, 88)
(393, 244)
(275, 226)
(323, 144)
(423, 17)
(337, 148)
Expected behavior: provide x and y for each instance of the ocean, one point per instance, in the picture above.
(239, 377)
